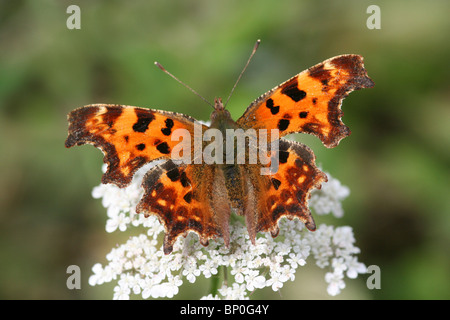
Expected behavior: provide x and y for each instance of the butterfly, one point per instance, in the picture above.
(200, 197)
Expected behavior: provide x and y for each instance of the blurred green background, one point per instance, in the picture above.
(396, 162)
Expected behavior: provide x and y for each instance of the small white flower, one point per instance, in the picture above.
(287, 273)
(254, 280)
(343, 236)
(190, 270)
(275, 281)
(283, 248)
(118, 221)
(336, 283)
(302, 247)
(121, 293)
(98, 276)
(338, 265)
(238, 273)
(235, 292)
(296, 260)
(354, 267)
(208, 268)
(172, 286)
(131, 282)
(328, 198)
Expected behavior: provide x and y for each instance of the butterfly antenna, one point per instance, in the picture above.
(181, 82)
(243, 70)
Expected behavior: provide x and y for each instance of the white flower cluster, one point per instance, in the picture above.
(140, 267)
(328, 198)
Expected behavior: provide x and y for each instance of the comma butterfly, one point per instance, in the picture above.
(200, 197)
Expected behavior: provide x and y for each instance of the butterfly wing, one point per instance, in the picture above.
(284, 193)
(187, 198)
(311, 101)
(128, 136)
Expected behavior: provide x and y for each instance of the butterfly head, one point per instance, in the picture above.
(220, 117)
(218, 104)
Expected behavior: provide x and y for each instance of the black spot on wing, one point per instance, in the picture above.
(283, 152)
(111, 115)
(279, 209)
(185, 182)
(276, 183)
(163, 148)
(273, 109)
(144, 119)
(283, 156)
(168, 129)
(283, 124)
(291, 90)
(173, 174)
(188, 197)
(140, 146)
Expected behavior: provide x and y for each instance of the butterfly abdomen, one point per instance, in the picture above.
(234, 184)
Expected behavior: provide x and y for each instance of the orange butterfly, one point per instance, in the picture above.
(200, 197)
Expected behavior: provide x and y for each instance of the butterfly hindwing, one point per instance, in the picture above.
(286, 192)
(187, 198)
(311, 101)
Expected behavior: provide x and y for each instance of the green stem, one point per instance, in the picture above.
(215, 279)
(225, 276)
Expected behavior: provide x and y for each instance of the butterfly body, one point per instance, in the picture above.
(199, 196)
(233, 173)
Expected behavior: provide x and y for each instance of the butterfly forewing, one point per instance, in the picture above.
(311, 101)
